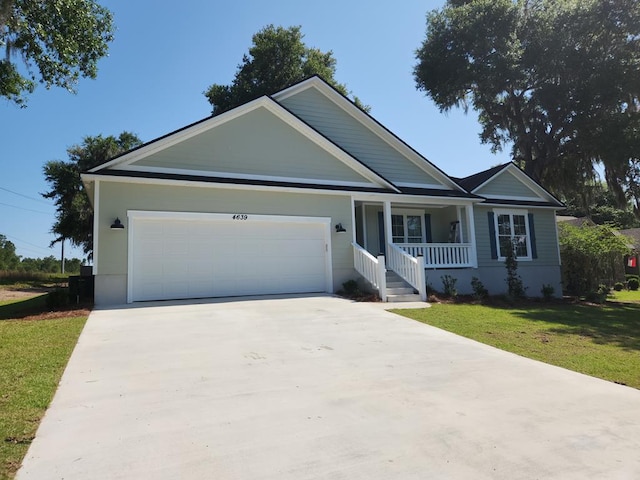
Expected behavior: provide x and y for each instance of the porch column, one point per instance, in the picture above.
(472, 235)
(386, 214)
(353, 221)
(459, 215)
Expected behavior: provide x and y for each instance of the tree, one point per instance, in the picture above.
(590, 256)
(598, 203)
(557, 79)
(61, 39)
(278, 58)
(74, 216)
(8, 258)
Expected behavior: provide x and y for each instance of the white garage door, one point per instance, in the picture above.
(176, 256)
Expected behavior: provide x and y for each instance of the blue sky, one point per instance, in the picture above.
(165, 54)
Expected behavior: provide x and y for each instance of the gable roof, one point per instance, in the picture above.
(371, 124)
(126, 161)
(575, 221)
(479, 181)
(634, 234)
(472, 182)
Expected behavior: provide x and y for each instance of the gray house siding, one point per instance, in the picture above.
(506, 184)
(355, 138)
(257, 143)
(542, 270)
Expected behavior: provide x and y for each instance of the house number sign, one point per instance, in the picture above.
(240, 216)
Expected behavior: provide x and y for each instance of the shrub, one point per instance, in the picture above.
(618, 286)
(589, 255)
(633, 284)
(515, 287)
(449, 284)
(599, 295)
(479, 290)
(351, 287)
(57, 298)
(547, 291)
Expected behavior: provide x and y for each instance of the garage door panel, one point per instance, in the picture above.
(194, 258)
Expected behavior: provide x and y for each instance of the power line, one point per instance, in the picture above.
(27, 209)
(25, 196)
(28, 243)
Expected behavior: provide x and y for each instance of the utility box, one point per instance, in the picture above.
(81, 288)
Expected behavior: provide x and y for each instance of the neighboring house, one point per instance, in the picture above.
(298, 192)
(575, 221)
(632, 262)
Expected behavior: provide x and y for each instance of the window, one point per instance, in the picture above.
(512, 227)
(407, 228)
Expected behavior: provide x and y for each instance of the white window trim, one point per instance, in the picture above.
(414, 213)
(511, 212)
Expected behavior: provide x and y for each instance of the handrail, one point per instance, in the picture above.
(441, 255)
(371, 268)
(410, 269)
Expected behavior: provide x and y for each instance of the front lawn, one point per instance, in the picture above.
(34, 350)
(602, 341)
(625, 296)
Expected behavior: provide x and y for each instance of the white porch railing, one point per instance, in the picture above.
(371, 268)
(441, 255)
(411, 269)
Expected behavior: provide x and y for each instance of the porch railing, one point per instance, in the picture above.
(441, 255)
(371, 268)
(410, 268)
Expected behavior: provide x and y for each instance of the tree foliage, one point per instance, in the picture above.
(74, 215)
(49, 264)
(598, 203)
(277, 59)
(590, 256)
(8, 258)
(559, 80)
(60, 39)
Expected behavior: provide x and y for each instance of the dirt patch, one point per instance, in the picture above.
(78, 312)
(15, 294)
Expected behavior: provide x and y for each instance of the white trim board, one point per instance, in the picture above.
(369, 196)
(242, 176)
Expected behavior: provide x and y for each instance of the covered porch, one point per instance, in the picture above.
(409, 237)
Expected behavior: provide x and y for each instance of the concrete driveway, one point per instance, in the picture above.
(319, 388)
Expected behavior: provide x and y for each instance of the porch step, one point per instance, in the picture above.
(409, 297)
(398, 290)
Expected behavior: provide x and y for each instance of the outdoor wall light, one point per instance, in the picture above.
(117, 225)
(340, 228)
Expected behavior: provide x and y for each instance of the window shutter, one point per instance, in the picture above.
(427, 227)
(532, 234)
(492, 235)
(381, 239)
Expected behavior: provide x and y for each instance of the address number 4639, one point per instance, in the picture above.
(242, 216)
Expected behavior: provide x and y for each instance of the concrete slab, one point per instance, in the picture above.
(317, 388)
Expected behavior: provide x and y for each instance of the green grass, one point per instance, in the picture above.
(33, 354)
(626, 296)
(602, 341)
(18, 308)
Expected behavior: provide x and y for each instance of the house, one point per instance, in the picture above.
(632, 261)
(301, 191)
